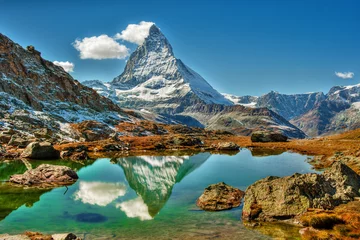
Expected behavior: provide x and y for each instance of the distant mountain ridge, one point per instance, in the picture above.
(314, 113)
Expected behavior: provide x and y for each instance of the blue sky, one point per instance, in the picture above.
(243, 47)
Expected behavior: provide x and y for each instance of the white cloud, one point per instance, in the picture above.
(135, 208)
(135, 33)
(101, 47)
(99, 193)
(345, 75)
(67, 66)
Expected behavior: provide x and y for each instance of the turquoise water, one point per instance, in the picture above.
(151, 197)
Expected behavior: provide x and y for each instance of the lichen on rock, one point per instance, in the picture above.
(220, 196)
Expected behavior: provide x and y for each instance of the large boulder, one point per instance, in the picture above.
(46, 174)
(264, 136)
(40, 150)
(220, 196)
(75, 153)
(275, 198)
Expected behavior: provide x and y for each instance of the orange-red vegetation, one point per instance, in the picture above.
(341, 223)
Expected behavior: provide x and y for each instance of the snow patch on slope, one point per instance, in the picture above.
(246, 101)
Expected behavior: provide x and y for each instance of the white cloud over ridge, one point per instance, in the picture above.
(135, 33)
(67, 66)
(345, 75)
(100, 47)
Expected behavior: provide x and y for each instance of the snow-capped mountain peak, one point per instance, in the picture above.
(154, 77)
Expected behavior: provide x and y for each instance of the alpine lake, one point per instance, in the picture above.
(145, 197)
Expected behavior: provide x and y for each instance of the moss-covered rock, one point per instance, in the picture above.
(283, 198)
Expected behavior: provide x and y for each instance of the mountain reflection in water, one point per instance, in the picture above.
(153, 178)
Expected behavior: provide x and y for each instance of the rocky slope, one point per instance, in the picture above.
(241, 120)
(290, 106)
(286, 105)
(338, 112)
(35, 93)
(314, 113)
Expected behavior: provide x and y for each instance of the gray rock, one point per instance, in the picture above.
(227, 146)
(43, 133)
(220, 196)
(40, 150)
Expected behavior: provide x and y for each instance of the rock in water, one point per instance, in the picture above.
(46, 174)
(227, 146)
(40, 150)
(264, 136)
(220, 196)
(275, 198)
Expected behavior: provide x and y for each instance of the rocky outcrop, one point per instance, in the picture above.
(220, 196)
(46, 175)
(92, 130)
(39, 83)
(40, 150)
(275, 198)
(18, 141)
(264, 136)
(40, 99)
(5, 136)
(227, 146)
(186, 141)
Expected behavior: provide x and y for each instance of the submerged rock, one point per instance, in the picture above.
(90, 217)
(40, 150)
(46, 174)
(220, 196)
(264, 136)
(275, 198)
